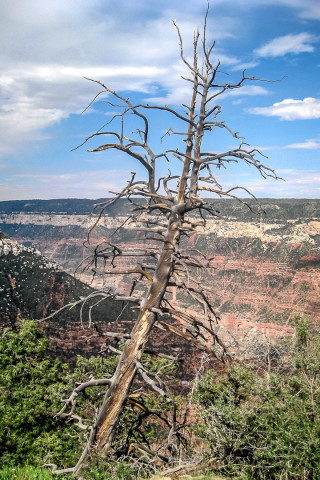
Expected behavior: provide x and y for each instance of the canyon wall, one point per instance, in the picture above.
(263, 268)
(34, 287)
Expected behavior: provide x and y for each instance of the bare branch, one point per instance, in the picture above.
(163, 215)
(80, 388)
(146, 377)
(188, 337)
(54, 469)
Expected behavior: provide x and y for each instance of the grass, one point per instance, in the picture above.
(36, 473)
(27, 473)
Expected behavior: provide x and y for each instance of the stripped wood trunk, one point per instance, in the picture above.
(117, 394)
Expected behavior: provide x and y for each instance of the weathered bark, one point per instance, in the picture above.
(117, 394)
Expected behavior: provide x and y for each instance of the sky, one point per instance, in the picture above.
(50, 46)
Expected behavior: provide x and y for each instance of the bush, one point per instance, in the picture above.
(266, 426)
(30, 386)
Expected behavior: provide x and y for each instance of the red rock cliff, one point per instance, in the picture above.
(263, 268)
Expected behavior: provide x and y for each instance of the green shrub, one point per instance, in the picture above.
(30, 386)
(266, 426)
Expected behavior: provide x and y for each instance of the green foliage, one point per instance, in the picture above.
(266, 426)
(30, 472)
(86, 368)
(26, 473)
(114, 470)
(31, 388)
(157, 365)
(30, 383)
(119, 471)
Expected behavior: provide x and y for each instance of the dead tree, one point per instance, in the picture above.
(168, 208)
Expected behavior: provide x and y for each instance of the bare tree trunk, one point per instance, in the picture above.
(117, 394)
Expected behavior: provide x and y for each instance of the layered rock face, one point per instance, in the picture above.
(75, 317)
(34, 287)
(263, 268)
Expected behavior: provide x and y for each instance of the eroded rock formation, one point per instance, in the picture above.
(264, 267)
(34, 287)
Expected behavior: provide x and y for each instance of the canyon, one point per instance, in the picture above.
(77, 319)
(263, 262)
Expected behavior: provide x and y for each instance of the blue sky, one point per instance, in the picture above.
(49, 46)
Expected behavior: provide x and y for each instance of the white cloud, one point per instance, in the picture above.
(301, 181)
(290, 109)
(34, 97)
(55, 44)
(85, 184)
(245, 66)
(48, 47)
(307, 9)
(300, 43)
(307, 145)
(295, 184)
(249, 90)
(182, 95)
